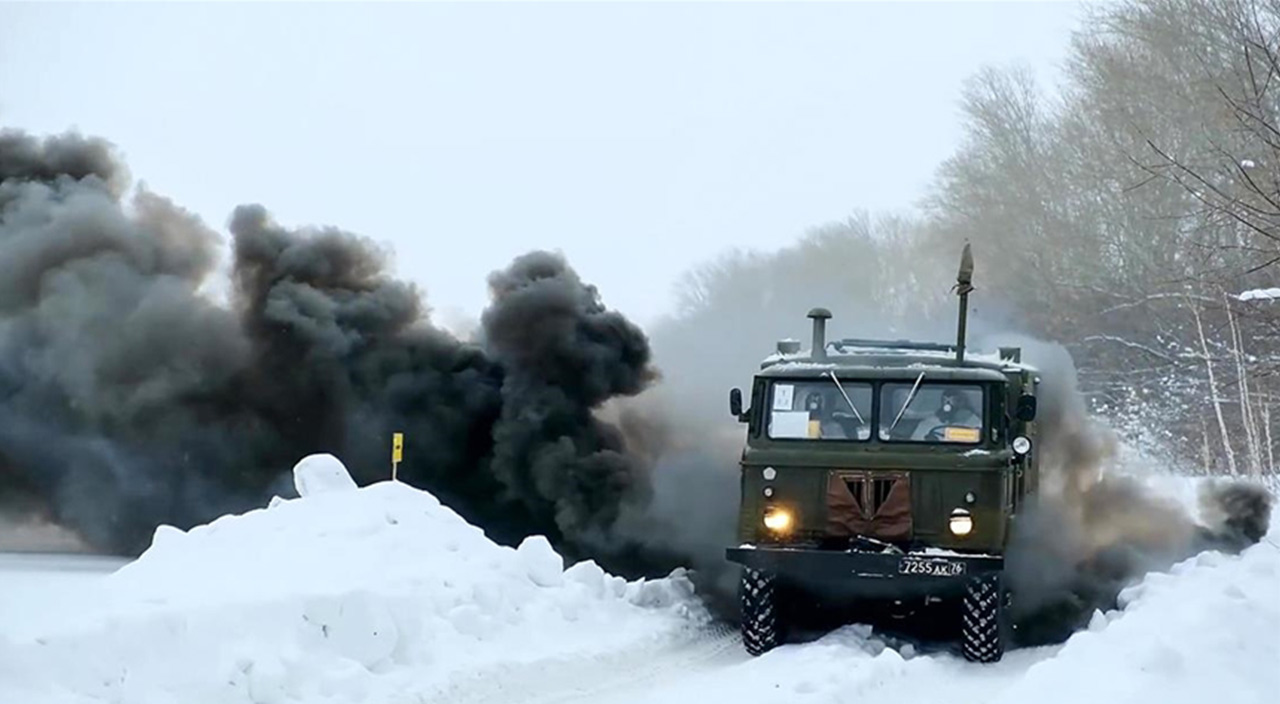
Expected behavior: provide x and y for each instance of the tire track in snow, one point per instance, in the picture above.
(594, 677)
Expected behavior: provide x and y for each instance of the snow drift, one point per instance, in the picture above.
(340, 595)
(382, 594)
(1203, 631)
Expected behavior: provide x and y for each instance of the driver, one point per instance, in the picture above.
(816, 404)
(954, 410)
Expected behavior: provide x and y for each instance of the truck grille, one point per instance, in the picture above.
(869, 494)
(874, 504)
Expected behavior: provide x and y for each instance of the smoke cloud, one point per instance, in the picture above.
(128, 399)
(1094, 529)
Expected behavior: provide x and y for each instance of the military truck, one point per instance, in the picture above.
(885, 472)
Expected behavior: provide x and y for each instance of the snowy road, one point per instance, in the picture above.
(711, 666)
(383, 595)
(1125, 654)
(40, 592)
(620, 676)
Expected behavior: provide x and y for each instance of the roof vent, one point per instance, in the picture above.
(788, 346)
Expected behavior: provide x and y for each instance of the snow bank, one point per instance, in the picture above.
(1207, 630)
(341, 595)
(1259, 294)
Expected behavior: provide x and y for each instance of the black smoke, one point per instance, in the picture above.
(1095, 528)
(130, 398)
(565, 355)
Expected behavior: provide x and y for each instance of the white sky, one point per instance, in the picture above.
(638, 139)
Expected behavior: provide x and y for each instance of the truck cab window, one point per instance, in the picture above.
(932, 413)
(820, 410)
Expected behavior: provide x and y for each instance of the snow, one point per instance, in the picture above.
(55, 582)
(382, 594)
(321, 473)
(342, 595)
(1205, 631)
(1259, 294)
(802, 359)
(777, 357)
(942, 552)
(803, 366)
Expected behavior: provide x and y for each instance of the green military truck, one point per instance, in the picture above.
(884, 472)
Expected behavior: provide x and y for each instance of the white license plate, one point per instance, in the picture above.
(932, 567)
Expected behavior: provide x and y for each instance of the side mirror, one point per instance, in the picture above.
(1026, 408)
(735, 402)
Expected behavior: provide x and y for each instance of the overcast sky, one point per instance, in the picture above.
(638, 139)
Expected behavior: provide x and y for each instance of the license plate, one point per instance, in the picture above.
(931, 567)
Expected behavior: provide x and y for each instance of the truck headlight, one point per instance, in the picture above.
(777, 519)
(1021, 445)
(961, 522)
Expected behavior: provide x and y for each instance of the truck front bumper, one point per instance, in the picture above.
(867, 572)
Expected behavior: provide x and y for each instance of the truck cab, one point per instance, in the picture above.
(877, 469)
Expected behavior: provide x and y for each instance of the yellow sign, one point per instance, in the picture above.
(962, 435)
(397, 447)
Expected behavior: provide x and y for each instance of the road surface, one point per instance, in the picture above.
(40, 591)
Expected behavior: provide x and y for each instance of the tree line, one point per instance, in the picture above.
(1132, 215)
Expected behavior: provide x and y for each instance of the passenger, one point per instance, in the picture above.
(954, 410)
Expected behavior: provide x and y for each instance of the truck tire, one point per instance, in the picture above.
(760, 623)
(984, 631)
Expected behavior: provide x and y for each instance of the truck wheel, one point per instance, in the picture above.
(759, 612)
(983, 632)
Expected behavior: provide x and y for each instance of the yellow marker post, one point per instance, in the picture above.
(397, 452)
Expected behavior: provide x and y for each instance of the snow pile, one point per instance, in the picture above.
(342, 595)
(1259, 294)
(1206, 630)
(318, 474)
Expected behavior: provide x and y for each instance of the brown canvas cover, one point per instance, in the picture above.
(874, 504)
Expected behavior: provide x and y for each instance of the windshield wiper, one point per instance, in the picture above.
(910, 397)
(847, 400)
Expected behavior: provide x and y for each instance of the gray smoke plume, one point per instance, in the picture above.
(1093, 529)
(128, 399)
(690, 513)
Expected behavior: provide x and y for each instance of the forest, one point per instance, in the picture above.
(1130, 214)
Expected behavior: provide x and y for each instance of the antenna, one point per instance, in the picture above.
(964, 284)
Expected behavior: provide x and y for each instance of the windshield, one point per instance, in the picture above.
(943, 413)
(828, 409)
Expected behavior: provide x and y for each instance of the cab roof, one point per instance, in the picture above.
(897, 359)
